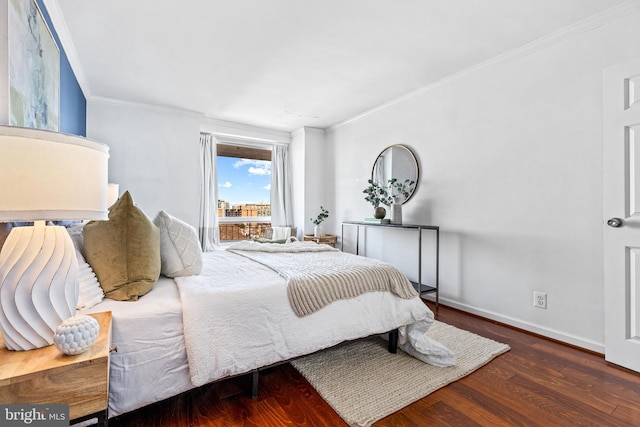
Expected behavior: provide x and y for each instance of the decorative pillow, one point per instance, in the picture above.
(263, 240)
(89, 292)
(180, 250)
(270, 232)
(76, 233)
(124, 251)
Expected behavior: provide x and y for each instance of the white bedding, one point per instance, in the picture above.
(151, 361)
(252, 325)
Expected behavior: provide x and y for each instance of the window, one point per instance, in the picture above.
(244, 191)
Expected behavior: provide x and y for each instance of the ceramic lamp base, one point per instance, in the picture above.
(38, 285)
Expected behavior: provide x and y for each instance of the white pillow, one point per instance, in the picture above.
(76, 233)
(180, 252)
(90, 292)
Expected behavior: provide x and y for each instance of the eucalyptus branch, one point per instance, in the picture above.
(324, 214)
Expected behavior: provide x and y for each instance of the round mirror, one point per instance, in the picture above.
(397, 162)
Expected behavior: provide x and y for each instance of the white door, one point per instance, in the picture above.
(621, 126)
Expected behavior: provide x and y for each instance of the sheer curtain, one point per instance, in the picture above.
(209, 231)
(281, 208)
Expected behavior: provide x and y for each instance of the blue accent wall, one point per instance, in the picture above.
(73, 104)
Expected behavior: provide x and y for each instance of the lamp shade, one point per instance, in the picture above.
(44, 176)
(51, 176)
(112, 193)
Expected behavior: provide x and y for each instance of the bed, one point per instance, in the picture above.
(214, 315)
(250, 321)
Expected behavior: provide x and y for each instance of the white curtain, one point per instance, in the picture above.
(281, 207)
(208, 230)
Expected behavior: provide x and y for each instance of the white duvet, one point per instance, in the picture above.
(237, 318)
(150, 363)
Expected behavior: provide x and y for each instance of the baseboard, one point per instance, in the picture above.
(525, 326)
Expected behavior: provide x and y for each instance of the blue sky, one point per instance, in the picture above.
(242, 181)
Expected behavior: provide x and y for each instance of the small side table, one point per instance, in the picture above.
(325, 239)
(46, 376)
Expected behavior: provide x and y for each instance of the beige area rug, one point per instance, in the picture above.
(363, 382)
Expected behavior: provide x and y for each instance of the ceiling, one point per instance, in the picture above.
(283, 64)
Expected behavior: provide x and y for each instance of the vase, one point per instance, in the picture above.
(317, 231)
(396, 213)
(76, 334)
(379, 212)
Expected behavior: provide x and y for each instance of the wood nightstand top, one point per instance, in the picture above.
(326, 239)
(19, 366)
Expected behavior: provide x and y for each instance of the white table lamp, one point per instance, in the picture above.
(44, 176)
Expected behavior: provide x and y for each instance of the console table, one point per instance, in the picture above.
(422, 288)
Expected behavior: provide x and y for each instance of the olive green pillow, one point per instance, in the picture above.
(124, 251)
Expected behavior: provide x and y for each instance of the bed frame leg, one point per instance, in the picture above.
(254, 383)
(393, 341)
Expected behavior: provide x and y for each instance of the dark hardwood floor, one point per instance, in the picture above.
(538, 383)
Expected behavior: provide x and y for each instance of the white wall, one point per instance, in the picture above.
(297, 156)
(317, 188)
(511, 170)
(154, 154)
(313, 179)
(155, 151)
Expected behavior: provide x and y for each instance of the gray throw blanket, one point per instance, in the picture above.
(318, 274)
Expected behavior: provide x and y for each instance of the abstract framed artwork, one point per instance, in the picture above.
(34, 69)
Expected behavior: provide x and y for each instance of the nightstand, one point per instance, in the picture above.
(325, 239)
(46, 376)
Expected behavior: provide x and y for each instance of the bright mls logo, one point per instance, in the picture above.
(34, 415)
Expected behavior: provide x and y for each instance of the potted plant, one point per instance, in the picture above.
(376, 194)
(324, 214)
(390, 195)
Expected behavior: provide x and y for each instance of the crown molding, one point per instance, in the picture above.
(308, 130)
(143, 106)
(60, 26)
(227, 129)
(586, 25)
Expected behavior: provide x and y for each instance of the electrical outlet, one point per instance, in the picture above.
(539, 299)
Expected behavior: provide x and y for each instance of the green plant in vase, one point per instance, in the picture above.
(395, 191)
(376, 194)
(324, 214)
